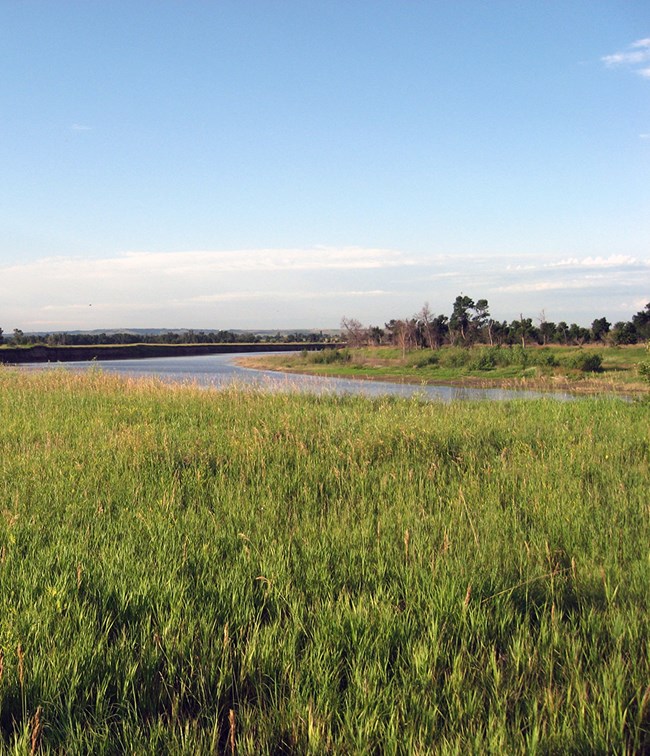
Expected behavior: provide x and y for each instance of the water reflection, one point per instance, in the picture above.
(219, 370)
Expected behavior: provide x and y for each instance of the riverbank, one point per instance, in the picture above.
(44, 353)
(557, 369)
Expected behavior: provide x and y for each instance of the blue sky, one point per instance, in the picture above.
(279, 164)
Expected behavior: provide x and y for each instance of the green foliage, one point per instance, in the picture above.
(425, 359)
(488, 358)
(327, 356)
(541, 368)
(587, 362)
(644, 370)
(454, 357)
(624, 333)
(342, 574)
(644, 367)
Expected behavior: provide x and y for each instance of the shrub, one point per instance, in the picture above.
(587, 362)
(546, 357)
(455, 357)
(328, 356)
(427, 359)
(644, 367)
(485, 359)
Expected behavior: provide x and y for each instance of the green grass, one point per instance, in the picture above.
(344, 575)
(588, 369)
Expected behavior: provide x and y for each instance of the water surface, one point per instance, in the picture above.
(219, 370)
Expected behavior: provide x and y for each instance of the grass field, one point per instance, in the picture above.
(189, 571)
(547, 368)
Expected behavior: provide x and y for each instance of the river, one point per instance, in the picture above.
(219, 370)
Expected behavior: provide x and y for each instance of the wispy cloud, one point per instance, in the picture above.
(80, 127)
(290, 288)
(613, 261)
(237, 288)
(250, 296)
(592, 282)
(634, 57)
(269, 260)
(196, 265)
(578, 274)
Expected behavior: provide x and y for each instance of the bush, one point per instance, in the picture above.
(455, 357)
(587, 362)
(546, 357)
(328, 356)
(644, 367)
(644, 370)
(488, 358)
(427, 359)
(485, 359)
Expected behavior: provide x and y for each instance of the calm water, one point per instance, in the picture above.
(218, 370)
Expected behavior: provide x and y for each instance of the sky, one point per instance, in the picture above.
(284, 163)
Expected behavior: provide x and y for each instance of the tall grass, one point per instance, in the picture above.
(191, 571)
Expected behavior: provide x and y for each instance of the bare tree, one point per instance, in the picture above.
(406, 332)
(425, 321)
(354, 332)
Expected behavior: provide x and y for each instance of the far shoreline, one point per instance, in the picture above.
(42, 353)
(560, 384)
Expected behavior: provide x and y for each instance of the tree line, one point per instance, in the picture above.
(18, 338)
(470, 323)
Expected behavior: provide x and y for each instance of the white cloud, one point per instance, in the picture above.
(197, 288)
(445, 274)
(316, 258)
(198, 264)
(634, 56)
(613, 261)
(521, 267)
(588, 282)
(249, 296)
(635, 305)
(292, 288)
(80, 127)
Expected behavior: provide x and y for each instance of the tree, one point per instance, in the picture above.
(426, 325)
(562, 332)
(641, 322)
(18, 337)
(600, 329)
(2, 338)
(460, 318)
(481, 320)
(523, 329)
(547, 329)
(353, 332)
(624, 333)
(402, 333)
(375, 335)
(578, 335)
(500, 332)
(439, 330)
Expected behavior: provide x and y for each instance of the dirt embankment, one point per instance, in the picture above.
(42, 353)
